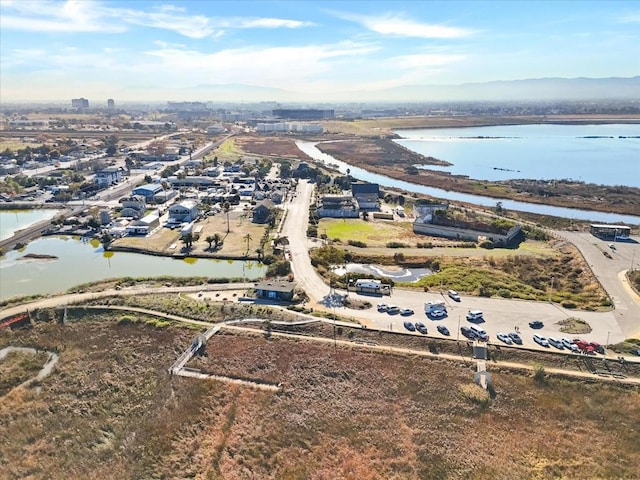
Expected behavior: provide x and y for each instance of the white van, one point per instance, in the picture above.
(474, 315)
(479, 332)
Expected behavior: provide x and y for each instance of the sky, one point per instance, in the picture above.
(323, 51)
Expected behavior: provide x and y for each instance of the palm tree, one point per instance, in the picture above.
(248, 238)
(188, 240)
(226, 207)
(217, 240)
(210, 239)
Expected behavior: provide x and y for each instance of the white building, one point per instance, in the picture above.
(185, 211)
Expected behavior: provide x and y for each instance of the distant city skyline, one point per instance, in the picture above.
(296, 51)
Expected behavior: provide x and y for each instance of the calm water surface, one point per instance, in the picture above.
(79, 262)
(361, 174)
(14, 220)
(600, 154)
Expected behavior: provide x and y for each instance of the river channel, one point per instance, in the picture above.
(361, 174)
(79, 262)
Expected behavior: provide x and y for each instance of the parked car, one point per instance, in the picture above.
(474, 315)
(383, 307)
(515, 338)
(569, 345)
(406, 311)
(467, 332)
(393, 309)
(453, 295)
(597, 347)
(540, 340)
(443, 330)
(536, 324)
(503, 337)
(438, 314)
(410, 326)
(421, 328)
(556, 343)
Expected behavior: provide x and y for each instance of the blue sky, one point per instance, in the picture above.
(180, 50)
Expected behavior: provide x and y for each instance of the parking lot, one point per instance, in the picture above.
(498, 316)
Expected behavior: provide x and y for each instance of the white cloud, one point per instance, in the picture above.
(633, 17)
(426, 60)
(93, 16)
(396, 25)
(48, 16)
(271, 23)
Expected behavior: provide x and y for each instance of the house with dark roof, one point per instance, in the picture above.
(338, 206)
(275, 290)
(262, 211)
(367, 195)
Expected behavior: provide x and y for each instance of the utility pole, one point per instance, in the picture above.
(458, 337)
(551, 289)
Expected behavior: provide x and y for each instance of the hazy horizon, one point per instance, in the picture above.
(315, 51)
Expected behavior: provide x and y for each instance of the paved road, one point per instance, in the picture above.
(611, 274)
(295, 229)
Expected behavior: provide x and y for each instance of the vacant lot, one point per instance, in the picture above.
(111, 411)
(234, 242)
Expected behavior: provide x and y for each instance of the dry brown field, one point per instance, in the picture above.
(234, 246)
(111, 411)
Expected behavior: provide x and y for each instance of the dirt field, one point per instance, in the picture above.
(111, 411)
(234, 246)
(283, 147)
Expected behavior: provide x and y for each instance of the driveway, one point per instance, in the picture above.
(610, 272)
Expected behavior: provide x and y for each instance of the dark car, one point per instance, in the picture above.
(443, 330)
(409, 326)
(536, 324)
(467, 332)
(515, 338)
(597, 347)
(421, 328)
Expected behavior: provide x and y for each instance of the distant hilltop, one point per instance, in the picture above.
(538, 89)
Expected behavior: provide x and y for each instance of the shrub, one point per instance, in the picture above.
(539, 374)
(357, 243)
(567, 304)
(396, 245)
(486, 244)
(504, 293)
(126, 320)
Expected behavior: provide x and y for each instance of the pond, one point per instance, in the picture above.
(80, 262)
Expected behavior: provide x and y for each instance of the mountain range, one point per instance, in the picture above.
(539, 89)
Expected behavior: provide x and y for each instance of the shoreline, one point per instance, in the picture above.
(182, 256)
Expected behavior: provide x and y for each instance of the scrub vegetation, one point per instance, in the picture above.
(110, 410)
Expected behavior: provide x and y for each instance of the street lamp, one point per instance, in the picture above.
(608, 333)
(551, 289)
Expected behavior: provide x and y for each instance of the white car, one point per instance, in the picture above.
(540, 340)
(556, 343)
(503, 337)
(382, 307)
(453, 295)
(437, 314)
(406, 311)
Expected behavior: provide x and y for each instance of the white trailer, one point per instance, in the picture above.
(430, 307)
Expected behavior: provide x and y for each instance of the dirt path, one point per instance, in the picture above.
(45, 371)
